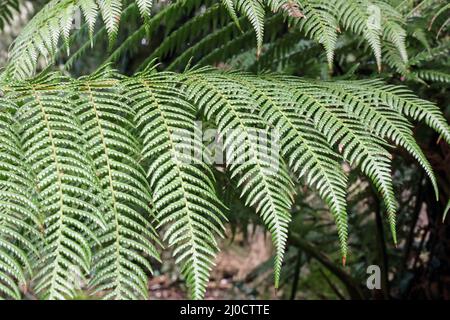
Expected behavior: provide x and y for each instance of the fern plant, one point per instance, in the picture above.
(93, 169)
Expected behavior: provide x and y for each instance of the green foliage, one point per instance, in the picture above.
(94, 169)
(111, 158)
(319, 20)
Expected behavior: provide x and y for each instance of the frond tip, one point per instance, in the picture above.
(91, 167)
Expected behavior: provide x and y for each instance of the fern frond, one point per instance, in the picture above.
(210, 48)
(230, 48)
(67, 191)
(341, 129)
(255, 13)
(230, 6)
(8, 8)
(187, 33)
(88, 167)
(433, 76)
(182, 184)
(393, 24)
(111, 11)
(384, 122)
(307, 151)
(404, 101)
(145, 7)
(42, 34)
(121, 264)
(90, 11)
(261, 172)
(19, 211)
(355, 16)
(93, 38)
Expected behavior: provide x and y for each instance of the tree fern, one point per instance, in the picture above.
(182, 185)
(88, 142)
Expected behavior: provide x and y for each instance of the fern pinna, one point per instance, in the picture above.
(92, 167)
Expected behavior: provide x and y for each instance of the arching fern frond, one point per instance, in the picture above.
(256, 164)
(383, 121)
(404, 101)
(182, 183)
(255, 12)
(355, 16)
(121, 264)
(67, 191)
(342, 130)
(20, 222)
(99, 162)
(320, 24)
(42, 34)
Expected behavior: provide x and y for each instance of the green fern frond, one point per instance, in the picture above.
(111, 11)
(231, 48)
(255, 13)
(145, 7)
(307, 151)
(404, 101)
(341, 129)
(320, 24)
(230, 6)
(19, 211)
(90, 166)
(67, 191)
(355, 16)
(383, 121)
(93, 37)
(182, 184)
(187, 33)
(90, 12)
(121, 264)
(55, 22)
(393, 24)
(260, 171)
(434, 76)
